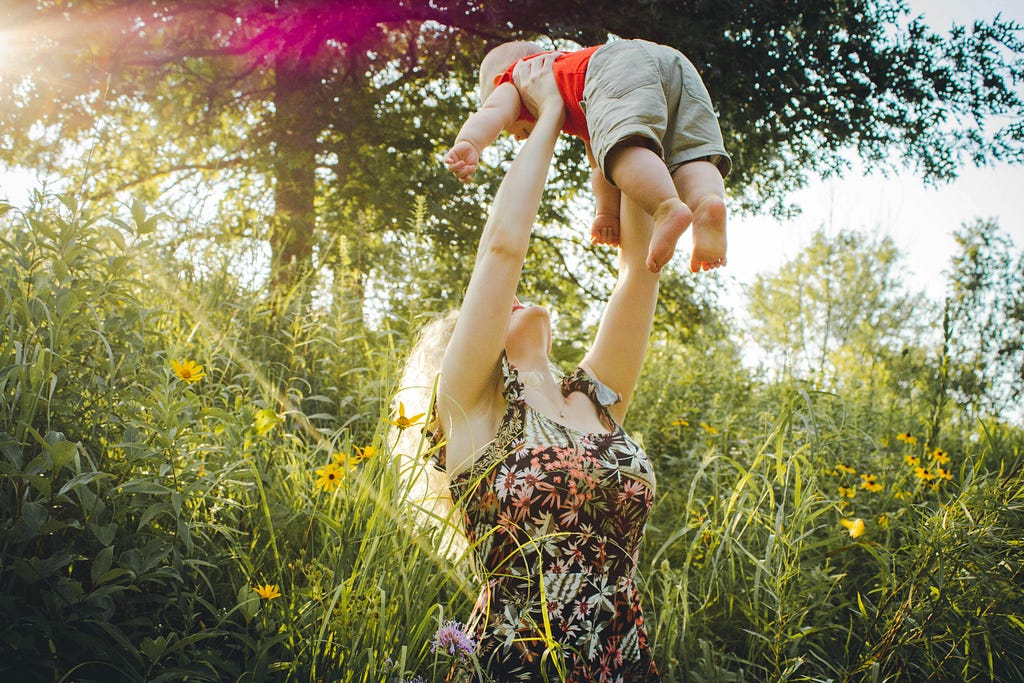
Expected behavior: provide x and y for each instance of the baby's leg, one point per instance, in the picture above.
(605, 229)
(701, 187)
(643, 177)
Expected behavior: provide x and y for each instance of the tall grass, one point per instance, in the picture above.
(139, 511)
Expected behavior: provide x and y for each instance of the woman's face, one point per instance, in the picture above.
(528, 328)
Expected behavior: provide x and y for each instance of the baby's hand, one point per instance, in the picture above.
(462, 160)
(605, 230)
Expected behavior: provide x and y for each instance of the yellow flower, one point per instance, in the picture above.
(846, 469)
(403, 421)
(869, 483)
(883, 521)
(847, 492)
(188, 371)
(267, 591)
(364, 453)
(854, 526)
(923, 474)
(329, 477)
(940, 456)
(342, 460)
(943, 474)
(265, 420)
(911, 460)
(680, 423)
(907, 438)
(708, 428)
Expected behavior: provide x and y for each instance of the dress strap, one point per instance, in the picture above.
(512, 388)
(600, 393)
(438, 454)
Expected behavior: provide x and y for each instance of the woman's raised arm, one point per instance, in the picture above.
(470, 369)
(617, 355)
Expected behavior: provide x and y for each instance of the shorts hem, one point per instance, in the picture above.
(619, 135)
(713, 153)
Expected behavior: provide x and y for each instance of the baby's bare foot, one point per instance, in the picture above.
(709, 242)
(605, 229)
(671, 219)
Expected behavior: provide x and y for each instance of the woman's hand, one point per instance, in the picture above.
(535, 81)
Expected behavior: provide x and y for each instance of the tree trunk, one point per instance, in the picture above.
(295, 140)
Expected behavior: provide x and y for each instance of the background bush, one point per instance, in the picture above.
(139, 511)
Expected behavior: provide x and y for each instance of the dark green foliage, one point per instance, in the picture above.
(320, 122)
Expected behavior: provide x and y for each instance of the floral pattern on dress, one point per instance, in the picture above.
(556, 517)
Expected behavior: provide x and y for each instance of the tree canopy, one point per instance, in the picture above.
(314, 126)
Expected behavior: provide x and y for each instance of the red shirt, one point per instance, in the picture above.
(570, 74)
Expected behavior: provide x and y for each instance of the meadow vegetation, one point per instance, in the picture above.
(199, 481)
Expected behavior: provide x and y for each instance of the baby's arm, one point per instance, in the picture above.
(605, 229)
(500, 109)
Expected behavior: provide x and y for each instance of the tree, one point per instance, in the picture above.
(841, 297)
(318, 122)
(983, 342)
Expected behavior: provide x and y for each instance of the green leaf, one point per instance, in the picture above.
(112, 574)
(81, 480)
(154, 648)
(101, 563)
(62, 451)
(115, 236)
(104, 533)
(33, 514)
(248, 602)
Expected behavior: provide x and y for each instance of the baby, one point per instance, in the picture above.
(649, 128)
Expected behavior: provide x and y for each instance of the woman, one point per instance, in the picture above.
(555, 495)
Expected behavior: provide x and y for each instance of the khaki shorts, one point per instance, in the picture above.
(635, 88)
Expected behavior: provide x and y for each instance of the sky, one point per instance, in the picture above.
(920, 219)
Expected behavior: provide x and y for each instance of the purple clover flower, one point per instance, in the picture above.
(453, 640)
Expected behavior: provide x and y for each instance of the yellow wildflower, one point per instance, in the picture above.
(940, 456)
(847, 492)
(845, 469)
(883, 521)
(329, 478)
(403, 421)
(943, 474)
(907, 438)
(869, 483)
(912, 460)
(267, 591)
(923, 474)
(680, 423)
(365, 453)
(188, 371)
(708, 428)
(854, 526)
(343, 460)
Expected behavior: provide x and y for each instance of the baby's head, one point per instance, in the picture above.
(499, 59)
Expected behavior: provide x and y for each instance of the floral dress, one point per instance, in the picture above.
(556, 518)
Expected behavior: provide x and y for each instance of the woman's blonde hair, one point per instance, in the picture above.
(416, 450)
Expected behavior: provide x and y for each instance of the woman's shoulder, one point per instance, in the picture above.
(585, 380)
